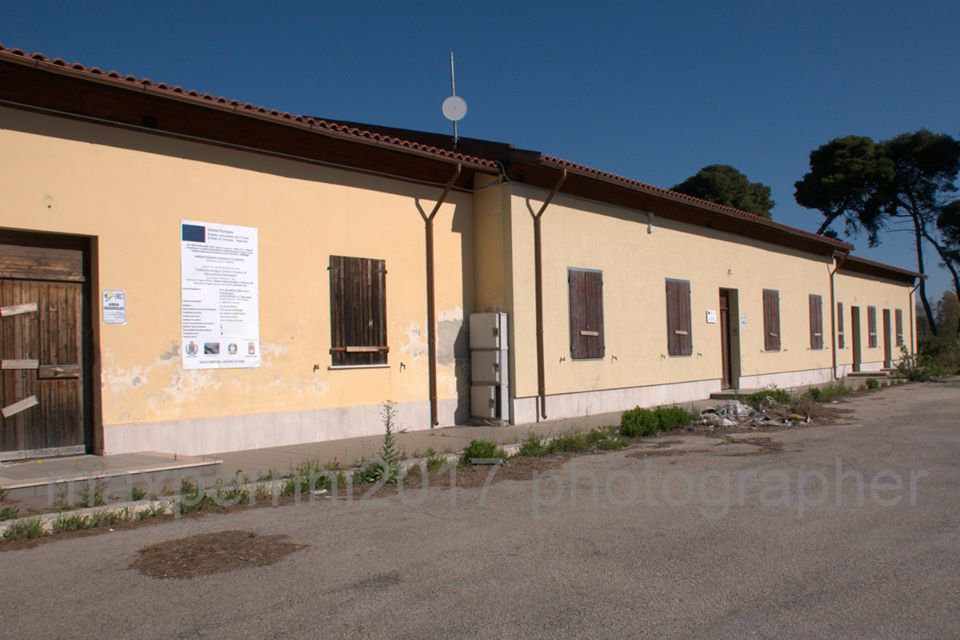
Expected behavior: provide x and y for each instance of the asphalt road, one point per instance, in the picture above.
(773, 560)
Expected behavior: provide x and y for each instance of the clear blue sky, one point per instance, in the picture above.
(648, 90)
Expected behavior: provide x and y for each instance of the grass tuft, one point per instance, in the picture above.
(24, 530)
(9, 513)
(640, 422)
(830, 392)
(435, 461)
(754, 399)
(481, 449)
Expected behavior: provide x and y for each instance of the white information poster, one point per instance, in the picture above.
(220, 296)
(114, 306)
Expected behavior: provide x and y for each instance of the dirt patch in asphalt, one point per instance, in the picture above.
(660, 452)
(764, 445)
(210, 553)
(753, 445)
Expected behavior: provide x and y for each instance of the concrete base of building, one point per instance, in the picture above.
(571, 405)
(867, 367)
(203, 436)
(787, 379)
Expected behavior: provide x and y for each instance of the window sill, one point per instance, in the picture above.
(357, 366)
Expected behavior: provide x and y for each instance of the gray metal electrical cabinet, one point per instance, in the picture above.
(489, 377)
(488, 331)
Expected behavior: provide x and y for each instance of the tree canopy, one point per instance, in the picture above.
(870, 185)
(725, 185)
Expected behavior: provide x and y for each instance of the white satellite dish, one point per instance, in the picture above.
(454, 108)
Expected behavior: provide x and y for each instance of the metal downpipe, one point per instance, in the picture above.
(538, 286)
(431, 296)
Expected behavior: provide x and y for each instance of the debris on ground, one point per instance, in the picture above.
(770, 413)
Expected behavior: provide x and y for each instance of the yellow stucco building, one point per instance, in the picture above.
(188, 274)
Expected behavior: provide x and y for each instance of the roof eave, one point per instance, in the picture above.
(234, 108)
(857, 265)
(688, 210)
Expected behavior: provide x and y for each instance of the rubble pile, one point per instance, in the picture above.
(737, 414)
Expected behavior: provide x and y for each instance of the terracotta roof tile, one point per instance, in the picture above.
(114, 76)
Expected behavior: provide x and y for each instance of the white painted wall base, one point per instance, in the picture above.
(236, 433)
(571, 405)
(844, 369)
(787, 380)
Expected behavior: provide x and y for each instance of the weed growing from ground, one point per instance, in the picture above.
(154, 511)
(91, 494)
(871, 383)
(830, 392)
(24, 529)
(754, 399)
(309, 476)
(388, 453)
(640, 422)
(434, 460)
(531, 446)
(480, 449)
(192, 498)
(9, 513)
(605, 439)
(70, 523)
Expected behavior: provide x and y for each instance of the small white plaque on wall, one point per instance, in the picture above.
(711, 316)
(743, 324)
(114, 306)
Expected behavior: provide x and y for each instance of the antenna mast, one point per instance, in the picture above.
(454, 107)
(453, 92)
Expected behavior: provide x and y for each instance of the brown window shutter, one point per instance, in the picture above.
(898, 322)
(587, 338)
(358, 311)
(771, 320)
(871, 327)
(841, 343)
(816, 321)
(679, 326)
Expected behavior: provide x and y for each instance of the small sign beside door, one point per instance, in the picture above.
(114, 306)
(711, 316)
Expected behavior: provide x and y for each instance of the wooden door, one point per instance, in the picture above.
(725, 339)
(855, 336)
(41, 393)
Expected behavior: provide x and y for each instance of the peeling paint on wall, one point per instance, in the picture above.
(173, 352)
(415, 344)
(451, 342)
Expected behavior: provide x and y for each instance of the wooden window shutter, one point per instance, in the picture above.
(358, 311)
(679, 326)
(586, 313)
(771, 320)
(871, 327)
(841, 342)
(816, 321)
(898, 323)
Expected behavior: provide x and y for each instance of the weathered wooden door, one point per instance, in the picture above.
(726, 339)
(41, 331)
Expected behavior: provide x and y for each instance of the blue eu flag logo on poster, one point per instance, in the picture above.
(194, 233)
